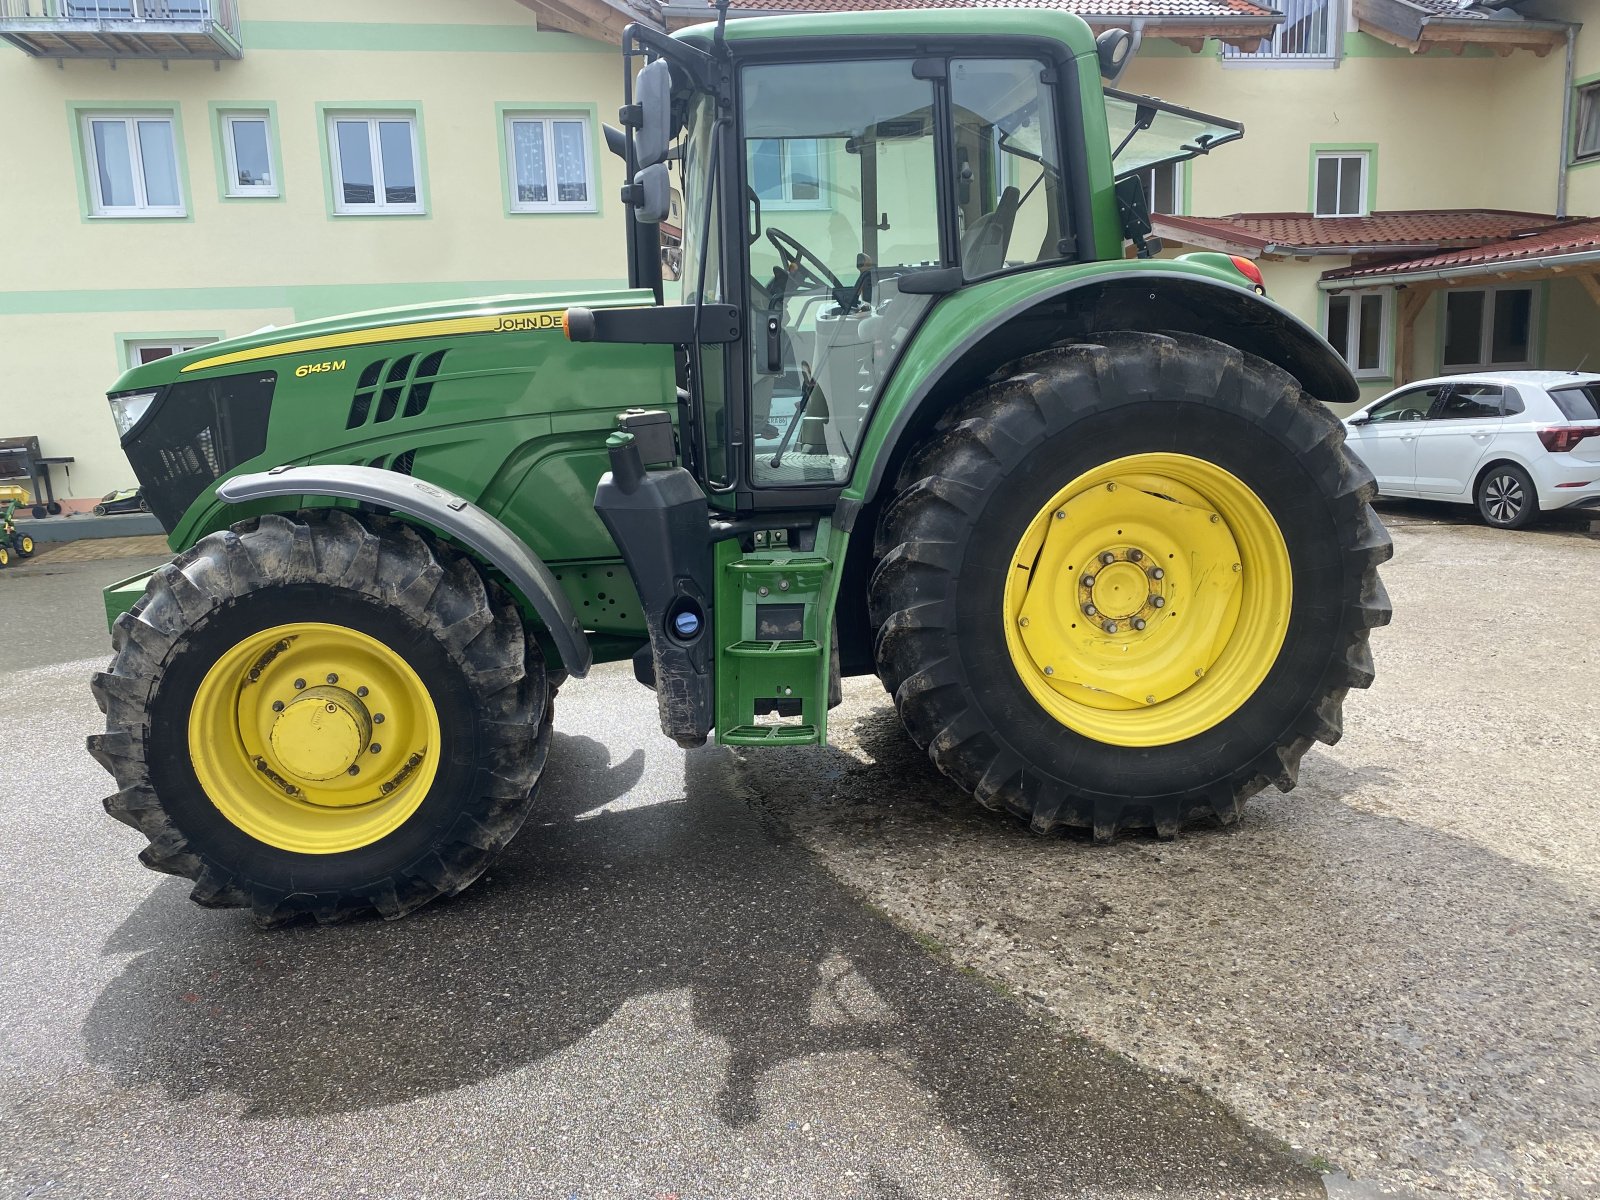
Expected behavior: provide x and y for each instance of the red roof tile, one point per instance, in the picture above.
(1287, 233)
(1219, 9)
(1576, 236)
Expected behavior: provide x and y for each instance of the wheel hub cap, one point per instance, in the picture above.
(322, 733)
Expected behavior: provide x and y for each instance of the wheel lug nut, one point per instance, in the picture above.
(1023, 622)
(354, 771)
(1159, 601)
(1087, 581)
(1236, 568)
(1088, 610)
(1108, 558)
(1149, 699)
(333, 707)
(1135, 555)
(299, 685)
(277, 706)
(377, 718)
(361, 691)
(332, 678)
(1049, 670)
(1060, 515)
(374, 748)
(1138, 622)
(1110, 627)
(1215, 518)
(1158, 573)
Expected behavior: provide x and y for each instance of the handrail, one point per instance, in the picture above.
(222, 13)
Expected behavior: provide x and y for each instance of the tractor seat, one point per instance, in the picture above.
(983, 245)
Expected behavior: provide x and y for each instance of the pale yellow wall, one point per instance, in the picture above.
(236, 265)
(1572, 327)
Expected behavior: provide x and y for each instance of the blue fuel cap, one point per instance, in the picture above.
(686, 624)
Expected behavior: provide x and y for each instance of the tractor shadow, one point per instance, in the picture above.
(596, 905)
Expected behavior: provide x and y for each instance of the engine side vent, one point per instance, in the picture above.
(422, 383)
(403, 462)
(361, 402)
(393, 386)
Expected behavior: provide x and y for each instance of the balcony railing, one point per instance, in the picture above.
(122, 28)
(1307, 32)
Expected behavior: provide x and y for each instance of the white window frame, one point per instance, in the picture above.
(1486, 334)
(236, 189)
(1365, 158)
(142, 208)
(1588, 116)
(1147, 177)
(380, 205)
(788, 203)
(1350, 351)
(1273, 54)
(590, 173)
(132, 346)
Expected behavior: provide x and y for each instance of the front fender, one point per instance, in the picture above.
(486, 537)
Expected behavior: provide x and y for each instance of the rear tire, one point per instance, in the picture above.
(996, 467)
(404, 613)
(24, 545)
(1506, 497)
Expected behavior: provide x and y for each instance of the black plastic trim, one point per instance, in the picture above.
(654, 325)
(491, 541)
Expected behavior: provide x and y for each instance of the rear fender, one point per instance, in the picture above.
(490, 541)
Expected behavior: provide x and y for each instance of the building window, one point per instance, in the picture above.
(142, 351)
(1340, 186)
(375, 164)
(1163, 188)
(1488, 327)
(787, 173)
(132, 165)
(1307, 32)
(550, 163)
(247, 149)
(1588, 145)
(1357, 325)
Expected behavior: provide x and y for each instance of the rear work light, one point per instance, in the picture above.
(1251, 272)
(1562, 438)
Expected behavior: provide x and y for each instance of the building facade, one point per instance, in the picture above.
(178, 171)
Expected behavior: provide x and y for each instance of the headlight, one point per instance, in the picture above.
(126, 410)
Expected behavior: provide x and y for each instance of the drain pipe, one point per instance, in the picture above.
(1566, 128)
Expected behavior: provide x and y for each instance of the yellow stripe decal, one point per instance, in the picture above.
(509, 322)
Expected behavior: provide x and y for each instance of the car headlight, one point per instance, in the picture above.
(126, 410)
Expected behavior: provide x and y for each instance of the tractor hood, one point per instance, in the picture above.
(485, 314)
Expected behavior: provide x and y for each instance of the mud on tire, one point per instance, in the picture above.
(463, 637)
(943, 549)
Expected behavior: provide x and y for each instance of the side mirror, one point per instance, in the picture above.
(650, 194)
(1359, 421)
(652, 102)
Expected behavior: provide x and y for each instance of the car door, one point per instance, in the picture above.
(1453, 440)
(1385, 437)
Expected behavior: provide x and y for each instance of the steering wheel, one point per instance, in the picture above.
(816, 271)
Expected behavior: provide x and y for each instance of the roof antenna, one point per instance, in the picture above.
(1577, 369)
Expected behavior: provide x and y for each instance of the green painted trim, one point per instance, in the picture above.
(1573, 161)
(304, 300)
(417, 38)
(413, 109)
(190, 335)
(219, 152)
(1368, 148)
(506, 108)
(80, 162)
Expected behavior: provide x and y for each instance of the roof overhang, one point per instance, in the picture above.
(598, 20)
(1546, 266)
(1418, 29)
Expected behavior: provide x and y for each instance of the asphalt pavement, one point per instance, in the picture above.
(657, 992)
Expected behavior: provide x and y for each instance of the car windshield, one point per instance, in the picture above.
(1580, 403)
(1146, 131)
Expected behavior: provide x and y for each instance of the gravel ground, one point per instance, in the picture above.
(1395, 968)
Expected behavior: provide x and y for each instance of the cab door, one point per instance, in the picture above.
(1386, 437)
(1456, 436)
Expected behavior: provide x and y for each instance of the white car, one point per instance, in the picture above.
(1512, 442)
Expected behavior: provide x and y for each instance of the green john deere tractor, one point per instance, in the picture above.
(908, 410)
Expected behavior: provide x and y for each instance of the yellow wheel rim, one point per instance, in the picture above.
(314, 738)
(1148, 600)
(27, 544)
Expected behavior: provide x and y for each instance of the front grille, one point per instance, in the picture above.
(195, 433)
(385, 384)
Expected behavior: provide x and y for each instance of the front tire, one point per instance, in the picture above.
(324, 715)
(24, 545)
(1032, 643)
(1506, 497)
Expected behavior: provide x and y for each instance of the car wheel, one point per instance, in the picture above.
(99, 510)
(1506, 498)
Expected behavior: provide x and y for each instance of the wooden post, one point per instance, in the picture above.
(1411, 300)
